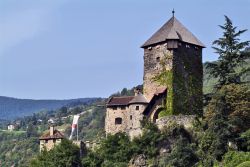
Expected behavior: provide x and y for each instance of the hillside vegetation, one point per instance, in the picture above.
(11, 108)
(19, 146)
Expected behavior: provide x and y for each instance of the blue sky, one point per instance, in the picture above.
(60, 49)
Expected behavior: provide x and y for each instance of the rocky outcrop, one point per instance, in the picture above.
(185, 120)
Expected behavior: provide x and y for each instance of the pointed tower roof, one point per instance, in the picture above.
(174, 30)
(139, 99)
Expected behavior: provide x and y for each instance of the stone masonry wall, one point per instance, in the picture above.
(152, 67)
(111, 115)
(185, 120)
(49, 144)
(131, 120)
(134, 126)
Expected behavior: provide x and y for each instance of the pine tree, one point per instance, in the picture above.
(229, 49)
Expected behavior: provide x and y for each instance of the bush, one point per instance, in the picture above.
(234, 158)
(65, 154)
(244, 164)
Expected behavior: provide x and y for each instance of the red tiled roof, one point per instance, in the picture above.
(122, 101)
(57, 135)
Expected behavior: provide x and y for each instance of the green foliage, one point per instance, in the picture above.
(244, 164)
(213, 144)
(229, 48)
(182, 155)
(165, 78)
(127, 92)
(16, 149)
(236, 99)
(66, 154)
(91, 123)
(147, 143)
(115, 150)
(245, 137)
(234, 158)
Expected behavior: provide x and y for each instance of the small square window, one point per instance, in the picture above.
(118, 121)
(137, 108)
(123, 108)
(114, 108)
(130, 117)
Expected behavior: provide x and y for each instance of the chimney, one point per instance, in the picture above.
(51, 131)
(137, 91)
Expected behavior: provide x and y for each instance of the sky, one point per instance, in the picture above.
(63, 49)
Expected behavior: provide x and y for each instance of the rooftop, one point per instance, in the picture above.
(56, 135)
(119, 101)
(139, 99)
(173, 29)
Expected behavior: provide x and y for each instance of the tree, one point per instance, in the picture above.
(31, 131)
(114, 151)
(213, 143)
(182, 155)
(66, 154)
(229, 49)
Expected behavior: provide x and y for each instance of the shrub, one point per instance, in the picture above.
(234, 158)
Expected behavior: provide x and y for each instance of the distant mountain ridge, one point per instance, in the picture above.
(11, 108)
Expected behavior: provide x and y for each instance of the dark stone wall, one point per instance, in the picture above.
(187, 79)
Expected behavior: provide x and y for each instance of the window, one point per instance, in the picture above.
(158, 59)
(54, 140)
(137, 108)
(123, 107)
(118, 121)
(46, 141)
(130, 117)
(114, 108)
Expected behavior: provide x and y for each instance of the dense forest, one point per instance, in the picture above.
(219, 138)
(11, 108)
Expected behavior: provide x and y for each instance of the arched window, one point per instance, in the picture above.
(118, 121)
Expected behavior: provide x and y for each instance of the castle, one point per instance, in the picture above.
(172, 81)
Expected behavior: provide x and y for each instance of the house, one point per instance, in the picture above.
(11, 127)
(50, 139)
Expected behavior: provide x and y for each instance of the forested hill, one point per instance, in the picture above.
(209, 81)
(11, 108)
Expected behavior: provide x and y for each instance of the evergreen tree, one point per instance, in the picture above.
(229, 49)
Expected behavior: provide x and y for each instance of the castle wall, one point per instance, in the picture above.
(110, 126)
(187, 79)
(152, 67)
(131, 120)
(136, 116)
(184, 120)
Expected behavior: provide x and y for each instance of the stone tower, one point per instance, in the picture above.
(181, 52)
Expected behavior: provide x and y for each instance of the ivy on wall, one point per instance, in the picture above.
(165, 78)
(184, 85)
